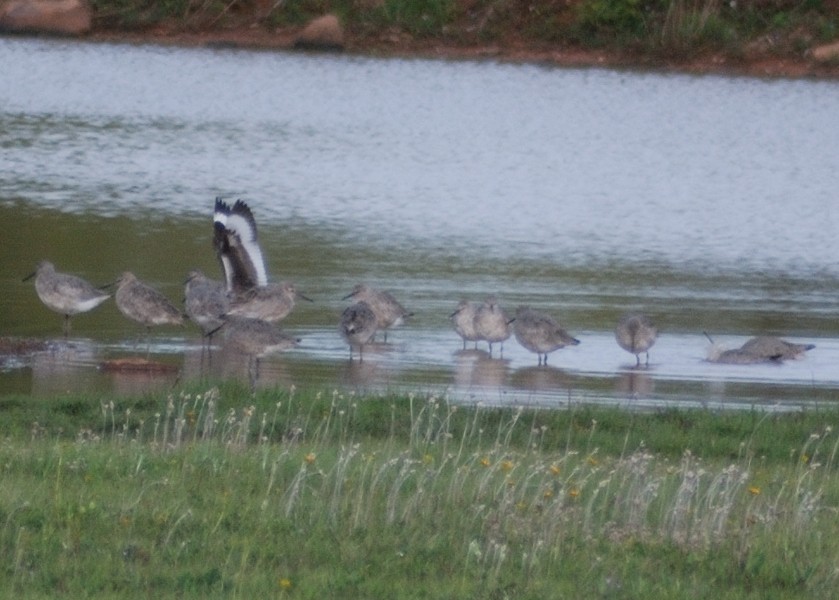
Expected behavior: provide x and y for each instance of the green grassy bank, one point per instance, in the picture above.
(647, 28)
(217, 492)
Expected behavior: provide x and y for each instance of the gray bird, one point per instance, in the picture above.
(358, 326)
(144, 304)
(65, 294)
(636, 333)
(761, 349)
(492, 323)
(463, 320)
(540, 333)
(272, 302)
(389, 313)
(205, 302)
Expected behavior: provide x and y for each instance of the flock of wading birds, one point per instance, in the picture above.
(246, 308)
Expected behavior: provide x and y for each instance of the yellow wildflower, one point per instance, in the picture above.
(574, 492)
(754, 490)
(507, 465)
(485, 461)
(285, 583)
(555, 470)
(310, 457)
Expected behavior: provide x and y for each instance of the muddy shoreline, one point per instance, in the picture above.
(758, 64)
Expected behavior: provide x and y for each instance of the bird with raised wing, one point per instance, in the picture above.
(237, 246)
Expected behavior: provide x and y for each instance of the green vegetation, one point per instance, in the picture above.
(224, 493)
(665, 28)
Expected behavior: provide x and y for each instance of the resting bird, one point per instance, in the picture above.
(358, 326)
(636, 334)
(761, 349)
(389, 313)
(255, 339)
(272, 302)
(492, 323)
(539, 333)
(205, 302)
(65, 294)
(144, 304)
(463, 320)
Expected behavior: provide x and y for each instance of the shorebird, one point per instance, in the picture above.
(358, 326)
(761, 349)
(463, 320)
(256, 339)
(144, 304)
(636, 333)
(205, 302)
(389, 313)
(775, 348)
(540, 333)
(272, 302)
(492, 323)
(235, 241)
(65, 294)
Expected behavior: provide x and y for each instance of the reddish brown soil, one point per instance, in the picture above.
(756, 63)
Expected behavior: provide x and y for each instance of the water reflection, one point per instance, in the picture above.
(634, 383)
(66, 367)
(476, 368)
(543, 378)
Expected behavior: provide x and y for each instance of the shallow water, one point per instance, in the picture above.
(707, 202)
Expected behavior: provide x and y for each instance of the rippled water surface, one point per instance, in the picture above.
(708, 202)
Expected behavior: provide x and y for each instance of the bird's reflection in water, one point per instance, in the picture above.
(541, 378)
(134, 383)
(260, 373)
(635, 383)
(364, 373)
(62, 367)
(475, 368)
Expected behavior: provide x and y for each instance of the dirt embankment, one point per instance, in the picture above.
(755, 63)
(517, 33)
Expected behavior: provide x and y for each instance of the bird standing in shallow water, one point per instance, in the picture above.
(255, 339)
(65, 294)
(144, 304)
(540, 333)
(492, 323)
(636, 333)
(237, 247)
(358, 326)
(272, 302)
(205, 302)
(463, 320)
(389, 313)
